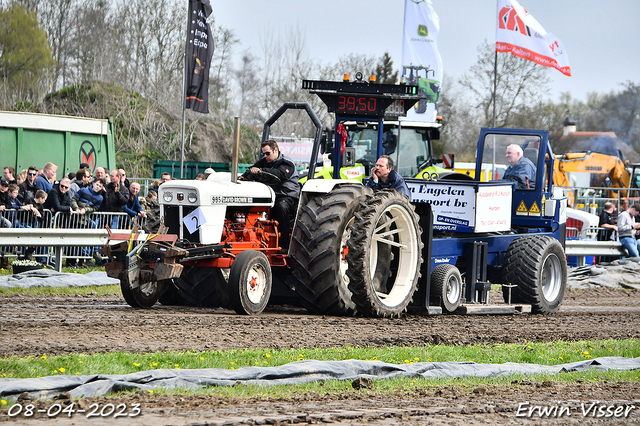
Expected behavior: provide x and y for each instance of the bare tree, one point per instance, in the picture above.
(519, 82)
(220, 75)
(250, 85)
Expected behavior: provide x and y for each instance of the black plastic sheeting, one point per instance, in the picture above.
(51, 278)
(293, 373)
(621, 273)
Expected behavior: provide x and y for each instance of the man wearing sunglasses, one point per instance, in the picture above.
(280, 173)
(28, 188)
(58, 199)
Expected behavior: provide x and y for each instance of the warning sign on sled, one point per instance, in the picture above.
(468, 207)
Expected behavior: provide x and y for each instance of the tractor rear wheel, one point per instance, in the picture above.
(202, 286)
(536, 264)
(446, 283)
(250, 282)
(384, 285)
(318, 248)
(171, 295)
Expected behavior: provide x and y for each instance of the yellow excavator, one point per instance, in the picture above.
(607, 171)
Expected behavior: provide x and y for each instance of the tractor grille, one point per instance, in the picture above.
(172, 221)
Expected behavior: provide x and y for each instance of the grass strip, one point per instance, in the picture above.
(538, 353)
(122, 363)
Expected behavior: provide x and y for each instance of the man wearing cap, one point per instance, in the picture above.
(208, 172)
(280, 173)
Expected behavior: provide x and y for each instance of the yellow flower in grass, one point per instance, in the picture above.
(44, 357)
(62, 370)
(135, 364)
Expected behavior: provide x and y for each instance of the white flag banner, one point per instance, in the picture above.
(519, 33)
(421, 62)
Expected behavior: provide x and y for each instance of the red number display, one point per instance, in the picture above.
(357, 104)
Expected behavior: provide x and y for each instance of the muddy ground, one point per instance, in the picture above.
(34, 325)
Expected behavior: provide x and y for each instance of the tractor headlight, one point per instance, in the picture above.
(193, 197)
(168, 197)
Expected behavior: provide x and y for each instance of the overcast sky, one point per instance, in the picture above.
(602, 38)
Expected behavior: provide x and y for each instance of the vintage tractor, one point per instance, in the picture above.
(353, 251)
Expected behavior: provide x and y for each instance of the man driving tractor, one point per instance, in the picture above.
(280, 173)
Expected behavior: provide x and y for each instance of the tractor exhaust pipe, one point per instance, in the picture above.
(236, 149)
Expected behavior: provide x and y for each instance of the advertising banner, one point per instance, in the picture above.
(421, 62)
(521, 34)
(199, 53)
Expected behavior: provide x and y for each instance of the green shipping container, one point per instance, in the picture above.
(28, 139)
(192, 168)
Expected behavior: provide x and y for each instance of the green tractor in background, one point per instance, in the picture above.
(428, 88)
(413, 157)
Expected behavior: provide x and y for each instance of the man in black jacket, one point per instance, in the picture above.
(280, 173)
(28, 188)
(115, 198)
(58, 200)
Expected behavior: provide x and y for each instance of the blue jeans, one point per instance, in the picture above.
(631, 244)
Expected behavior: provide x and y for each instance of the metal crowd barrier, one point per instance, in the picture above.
(23, 219)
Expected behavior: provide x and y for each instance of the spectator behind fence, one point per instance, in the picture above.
(116, 197)
(21, 177)
(123, 179)
(38, 205)
(82, 180)
(152, 208)
(90, 199)
(133, 208)
(5, 204)
(12, 192)
(58, 199)
(100, 174)
(10, 175)
(48, 177)
(28, 188)
(627, 229)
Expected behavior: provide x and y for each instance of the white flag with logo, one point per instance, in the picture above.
(519, 33)
(421, 62)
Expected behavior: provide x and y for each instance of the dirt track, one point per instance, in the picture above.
(33, 325)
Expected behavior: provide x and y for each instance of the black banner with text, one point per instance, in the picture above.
(199, 54)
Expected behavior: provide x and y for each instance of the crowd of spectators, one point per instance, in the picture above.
(32, 194)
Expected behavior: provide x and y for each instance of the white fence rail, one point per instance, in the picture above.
(59, 236)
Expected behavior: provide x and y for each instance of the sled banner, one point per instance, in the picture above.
(421, 62)
(199, 53)
(521, 34)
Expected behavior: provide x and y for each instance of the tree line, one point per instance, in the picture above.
(53, 51)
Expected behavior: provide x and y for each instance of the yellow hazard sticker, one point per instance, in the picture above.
(522, 209)
(534, 210)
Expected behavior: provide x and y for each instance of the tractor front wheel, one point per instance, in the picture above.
(250, 282)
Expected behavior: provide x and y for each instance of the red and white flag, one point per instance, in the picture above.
(519, 33)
